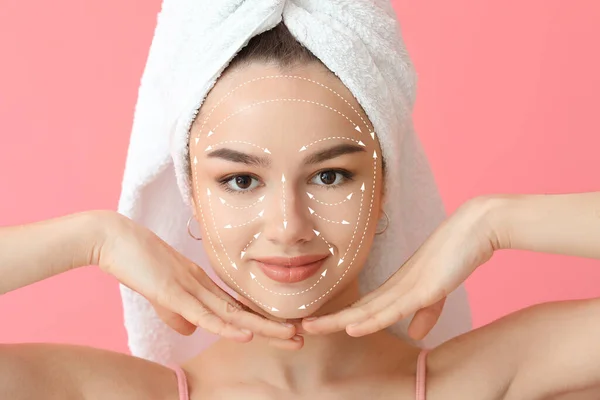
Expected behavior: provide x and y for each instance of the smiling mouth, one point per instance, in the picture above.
(291, 270)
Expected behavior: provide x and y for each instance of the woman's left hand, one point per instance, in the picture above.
(456, 248)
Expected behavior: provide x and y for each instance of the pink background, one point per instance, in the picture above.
(507, 102)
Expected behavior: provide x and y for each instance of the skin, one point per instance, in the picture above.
(508, 359)
(254, 199)
(284, 128)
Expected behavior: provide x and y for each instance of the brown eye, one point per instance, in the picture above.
(327, 177)
(240, 183)
(243, 181)
(332, 178)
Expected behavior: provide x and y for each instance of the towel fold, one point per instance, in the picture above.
(194, 41)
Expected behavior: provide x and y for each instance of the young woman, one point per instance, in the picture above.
(287, 259)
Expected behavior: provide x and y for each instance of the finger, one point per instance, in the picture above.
(174, 320)
(295, 343)
(364, 308)
(205, 280)
(425, 319)
(356, 313)
(398, 310)
(393, 283)
(233, 313)
(192, 310)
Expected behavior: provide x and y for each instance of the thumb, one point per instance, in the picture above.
(425, 319)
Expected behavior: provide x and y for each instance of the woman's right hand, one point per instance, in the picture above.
(183, 295)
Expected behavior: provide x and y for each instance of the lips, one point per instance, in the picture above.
(291, 270)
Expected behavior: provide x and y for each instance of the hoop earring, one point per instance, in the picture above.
(387, 223)
(190, 231)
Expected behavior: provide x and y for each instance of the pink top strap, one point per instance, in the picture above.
(421, 374)
(182, 386)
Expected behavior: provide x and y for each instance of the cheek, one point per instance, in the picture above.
(348, 223)
(231, 225)
(228, 230)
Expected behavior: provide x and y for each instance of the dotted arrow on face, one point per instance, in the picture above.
(224, 202)
(312, 197)
(344, 222)
(283, 195)
(229, 226)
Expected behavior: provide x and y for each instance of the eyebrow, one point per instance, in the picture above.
(239, 157)
(333, 152)
(316, 158)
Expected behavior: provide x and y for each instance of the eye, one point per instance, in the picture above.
(331, 177)
(240, 183)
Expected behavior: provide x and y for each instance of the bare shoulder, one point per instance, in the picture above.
(60, 371)
(523, 356)
(480, 364)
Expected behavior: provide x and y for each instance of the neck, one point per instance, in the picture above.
(322, 359)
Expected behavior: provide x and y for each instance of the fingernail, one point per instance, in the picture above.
(246, 331)
(297, 338)
(287, 324)
(310, 318)
(352, 325)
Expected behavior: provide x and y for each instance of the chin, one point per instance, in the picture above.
(283, 307)
(312, 299)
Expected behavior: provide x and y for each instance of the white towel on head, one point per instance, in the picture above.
(360, 41)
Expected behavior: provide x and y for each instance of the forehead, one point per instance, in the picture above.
(263, 104)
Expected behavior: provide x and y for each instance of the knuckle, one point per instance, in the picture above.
(380, 323)
(367, 311)
(232, 308)
(398, 315)
(203, 316)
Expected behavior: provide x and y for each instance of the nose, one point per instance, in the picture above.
(287, 219)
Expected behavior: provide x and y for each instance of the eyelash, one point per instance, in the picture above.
(347, 176)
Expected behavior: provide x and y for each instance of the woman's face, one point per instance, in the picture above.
(286, 176)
